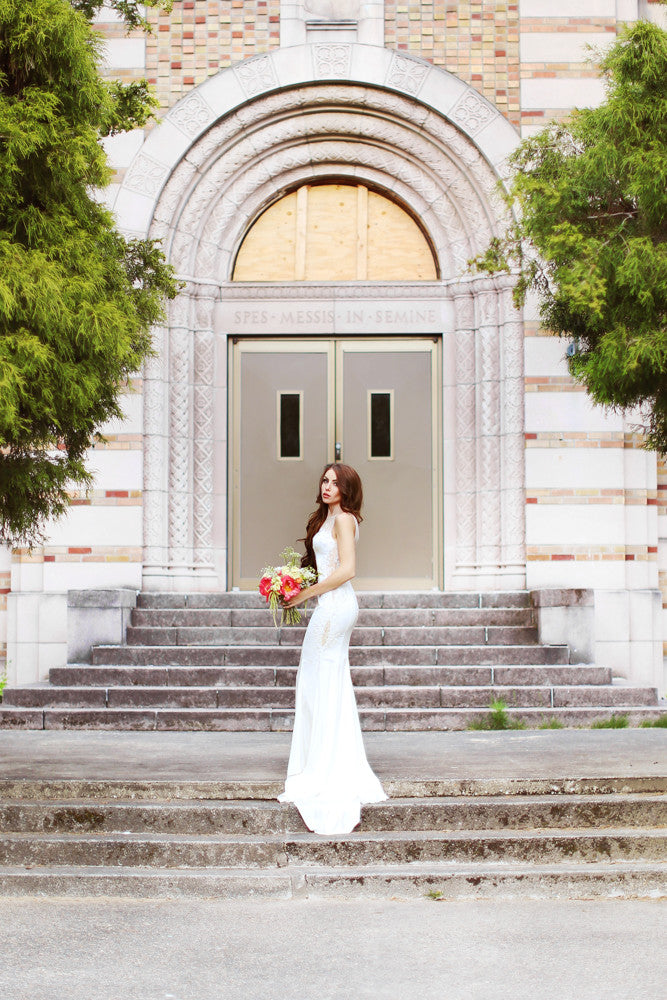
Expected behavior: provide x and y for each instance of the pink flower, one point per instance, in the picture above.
(289, 588)
(265, 586)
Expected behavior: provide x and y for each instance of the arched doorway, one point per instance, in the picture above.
(298, 403)
(221, 159)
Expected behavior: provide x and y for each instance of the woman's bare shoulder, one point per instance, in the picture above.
(346, 520)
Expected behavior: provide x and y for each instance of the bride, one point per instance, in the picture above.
(328, 776)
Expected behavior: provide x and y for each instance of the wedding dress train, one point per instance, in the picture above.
(328, 776)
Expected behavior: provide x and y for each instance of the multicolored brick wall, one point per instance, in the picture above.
(556, 45)
(198, 39)
(478, 41)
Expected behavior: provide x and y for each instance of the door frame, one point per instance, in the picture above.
(335, 347)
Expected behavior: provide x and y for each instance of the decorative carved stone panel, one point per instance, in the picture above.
(332, 60)
(145, 176)
(407, 74)
(191, 114)
(256, 75)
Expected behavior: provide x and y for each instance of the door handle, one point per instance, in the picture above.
(337, 451)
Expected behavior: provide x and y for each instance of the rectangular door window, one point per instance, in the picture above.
(290, 425)
(380, 424)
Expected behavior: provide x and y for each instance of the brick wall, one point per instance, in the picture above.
(199, 39)
(478, 41)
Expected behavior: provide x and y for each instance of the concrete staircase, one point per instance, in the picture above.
(419, 661)
(462, 839)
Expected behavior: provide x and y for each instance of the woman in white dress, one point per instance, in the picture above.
(328, 776)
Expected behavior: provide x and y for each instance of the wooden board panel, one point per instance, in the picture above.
(397, 248)
(268, 250)
(331, 241)
(335, 232)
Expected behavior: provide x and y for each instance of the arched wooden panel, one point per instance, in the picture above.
(335, 232)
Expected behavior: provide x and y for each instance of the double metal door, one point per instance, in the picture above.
(371, 404)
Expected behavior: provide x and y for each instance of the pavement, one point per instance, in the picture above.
(44, 755)
(331, 950)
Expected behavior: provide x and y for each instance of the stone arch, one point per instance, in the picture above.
(227, 151)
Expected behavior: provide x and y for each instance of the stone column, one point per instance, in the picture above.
(180, 442)
(156, 463)
(466, 437)
(488, 429)
(513, 442)
(203, 445)
(489, 446)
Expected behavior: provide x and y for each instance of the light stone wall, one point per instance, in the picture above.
(594, 517)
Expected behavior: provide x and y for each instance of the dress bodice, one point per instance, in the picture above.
(325, 548)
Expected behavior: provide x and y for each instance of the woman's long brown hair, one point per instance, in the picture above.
(351, 499)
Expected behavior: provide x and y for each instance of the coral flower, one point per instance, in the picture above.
(265, 586)
(290, 588)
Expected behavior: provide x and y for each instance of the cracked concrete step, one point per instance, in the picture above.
(281, 719)
(622, 879)
(382, 617)
(261, 817)
(366, 599)
(404, 636)
(386, 848)
(75, 674)
(246, 791)
(277, 696)
(266, 655)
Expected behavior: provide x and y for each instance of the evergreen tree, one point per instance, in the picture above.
(591, 236)
(77, 300)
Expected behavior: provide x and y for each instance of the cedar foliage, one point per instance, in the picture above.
(591, 235)
(77, 300)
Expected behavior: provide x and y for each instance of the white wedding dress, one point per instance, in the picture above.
(328, 776)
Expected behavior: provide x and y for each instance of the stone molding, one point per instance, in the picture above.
(225, 153)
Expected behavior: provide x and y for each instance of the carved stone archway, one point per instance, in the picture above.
(218, 160)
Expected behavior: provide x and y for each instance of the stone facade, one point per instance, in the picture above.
(424, 101)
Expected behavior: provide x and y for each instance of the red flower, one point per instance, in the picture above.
(289, 588)
(265, 586)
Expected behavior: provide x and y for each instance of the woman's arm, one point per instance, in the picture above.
(344, 533)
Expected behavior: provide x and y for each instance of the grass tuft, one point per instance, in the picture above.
(659, 723)
(497, 719)
(615, 722)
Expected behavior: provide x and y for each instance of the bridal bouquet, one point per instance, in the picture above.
(280, 584)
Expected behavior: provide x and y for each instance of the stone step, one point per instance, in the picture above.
(261, 817)
(452, 881)
(266, 636)
(109, 676)
(266, 655)
(382, 617)
(250, 791)
(387, 847)
(281, 719)
(275, 696)
(366, 599)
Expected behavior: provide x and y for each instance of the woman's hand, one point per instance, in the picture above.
(300, 598)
